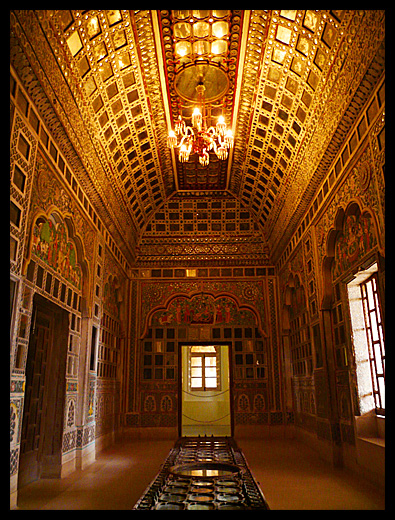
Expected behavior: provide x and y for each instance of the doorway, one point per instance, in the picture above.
(45, 387)
(205, 390)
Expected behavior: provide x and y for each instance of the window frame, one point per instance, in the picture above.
(360, 333)
(376, 347)
(202, 353)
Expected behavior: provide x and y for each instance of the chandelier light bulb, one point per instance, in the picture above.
(222, 153)
(221, 125)
(179, 126)
(171, 139)
(204, 158)
(197, 119)
(184, 153)
(228, 139)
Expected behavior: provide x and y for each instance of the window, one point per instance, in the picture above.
(368, 340)
(203, 374)
(374, 333)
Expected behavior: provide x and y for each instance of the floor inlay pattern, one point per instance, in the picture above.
(204, 473)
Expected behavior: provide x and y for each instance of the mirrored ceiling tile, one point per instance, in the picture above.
(93, 27)
(288, 13)
(183, 48)
(114, 16)
(283, 34)
(310, 20)
(201, 29)
(74, 43)
(201, 13)
(219, 47)
(220, 29)
(182, 30)
(220, 13)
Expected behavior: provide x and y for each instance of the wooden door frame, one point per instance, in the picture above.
(51, 431)
(230, 364)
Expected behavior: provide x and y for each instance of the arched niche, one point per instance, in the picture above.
(349, 244)
(54, 241)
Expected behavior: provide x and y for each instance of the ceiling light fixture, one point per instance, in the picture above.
(198, 138)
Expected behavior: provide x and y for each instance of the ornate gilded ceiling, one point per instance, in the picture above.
(111, 83)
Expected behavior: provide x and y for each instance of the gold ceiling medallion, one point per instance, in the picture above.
(214, 79)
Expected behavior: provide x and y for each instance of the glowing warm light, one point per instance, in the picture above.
(197, 119)
(184, 153)
(204, 159)
(229, 140)
(183, 48)
(221, 125)
(199, 139)
(171, 139)
(222, 153)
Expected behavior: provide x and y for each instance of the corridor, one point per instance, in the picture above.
(197, 245)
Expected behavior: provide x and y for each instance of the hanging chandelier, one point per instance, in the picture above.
(198, 139)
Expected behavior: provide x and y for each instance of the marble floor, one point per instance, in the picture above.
(290, 474)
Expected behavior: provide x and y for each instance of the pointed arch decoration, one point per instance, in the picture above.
(243, 297)
(349, 243)
(53, 241)
(203, 309)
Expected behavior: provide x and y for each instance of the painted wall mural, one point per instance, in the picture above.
(202, 302)
(48, 192)
(110, 297)
(203, 309)
(51, 244)
(357, 239)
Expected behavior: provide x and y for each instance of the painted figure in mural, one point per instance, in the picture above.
(218, 314)
(110, 297)
(50, 243)
(203, 310)
(187, 313)
(178, 312)
(227, 313)
(165, 319)
(357, 239)
(203, 315)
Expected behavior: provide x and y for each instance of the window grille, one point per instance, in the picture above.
(375, 338)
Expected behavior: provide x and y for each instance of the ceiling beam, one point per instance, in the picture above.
(239, 79)
(163, 82)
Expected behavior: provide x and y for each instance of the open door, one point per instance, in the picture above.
(205, 389)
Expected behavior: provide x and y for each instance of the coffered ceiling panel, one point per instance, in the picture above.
(200, 230)
(288, 84)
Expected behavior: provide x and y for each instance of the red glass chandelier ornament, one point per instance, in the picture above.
(198, 139)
